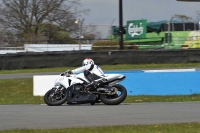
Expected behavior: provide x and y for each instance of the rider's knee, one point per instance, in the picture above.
(86, 72)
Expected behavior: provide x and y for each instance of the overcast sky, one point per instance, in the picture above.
(104, 12)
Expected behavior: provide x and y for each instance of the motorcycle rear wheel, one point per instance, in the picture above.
(115, 99)
(53, 100)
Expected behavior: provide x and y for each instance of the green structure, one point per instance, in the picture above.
(115, 30)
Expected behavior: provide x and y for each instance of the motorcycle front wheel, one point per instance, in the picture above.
(53, 98)
(116, 98)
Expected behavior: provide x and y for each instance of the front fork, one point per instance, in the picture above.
(57, 90)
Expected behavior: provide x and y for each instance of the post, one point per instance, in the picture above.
(120, 24)
(168, 36)
(80, 30)
(79, 37)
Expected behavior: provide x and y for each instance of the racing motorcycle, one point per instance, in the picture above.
(74, 89)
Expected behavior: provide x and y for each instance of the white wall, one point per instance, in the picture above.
(56, 47)
(43, 83)
(10, 51)
(45, 47)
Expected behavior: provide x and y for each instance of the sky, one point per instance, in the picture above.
(105, 13)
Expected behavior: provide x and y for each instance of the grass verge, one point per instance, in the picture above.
(154, 128)
(21, 91)
(104, 67)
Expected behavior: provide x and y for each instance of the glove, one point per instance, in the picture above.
(69, 72)
(66, 73)
(62, 74)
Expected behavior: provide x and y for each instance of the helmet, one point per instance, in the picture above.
(87, 61)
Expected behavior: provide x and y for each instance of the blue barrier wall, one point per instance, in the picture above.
(160, 83)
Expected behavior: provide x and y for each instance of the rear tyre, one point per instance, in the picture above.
(53, 98)
(116, 98)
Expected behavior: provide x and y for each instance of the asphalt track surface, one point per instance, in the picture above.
(48, 117)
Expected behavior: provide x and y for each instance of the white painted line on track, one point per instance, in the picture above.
(171, 70)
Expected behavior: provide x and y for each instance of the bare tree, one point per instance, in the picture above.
(26, 17)
(198, 15)
(182, 17)
(90, 33)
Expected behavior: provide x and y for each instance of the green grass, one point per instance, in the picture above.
(18, 91)
(21, 91)
(105, 67)
(153, 128)
(171, 98)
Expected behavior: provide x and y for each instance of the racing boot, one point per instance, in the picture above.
(101, 81)
(92, 86)
(95, 84)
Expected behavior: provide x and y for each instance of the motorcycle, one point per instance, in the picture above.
(73, 89)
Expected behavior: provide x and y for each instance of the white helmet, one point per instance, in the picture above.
(87, 61)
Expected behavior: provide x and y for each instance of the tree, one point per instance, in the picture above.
(91, 33)
(182, 17)
(55, 35)
(198, 15)
(26, 17)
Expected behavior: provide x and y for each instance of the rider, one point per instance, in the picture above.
(91, 71)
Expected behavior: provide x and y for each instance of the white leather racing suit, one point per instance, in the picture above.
(93, 68)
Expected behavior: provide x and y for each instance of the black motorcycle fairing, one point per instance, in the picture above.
(79, 97)
(85, 82)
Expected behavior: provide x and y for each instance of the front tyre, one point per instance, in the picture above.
(116, 98)
(53, 98)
